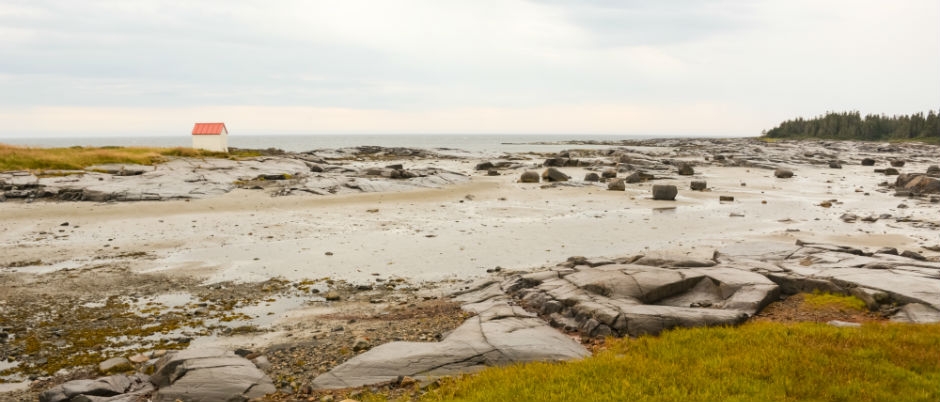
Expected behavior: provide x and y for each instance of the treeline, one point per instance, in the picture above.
(852, 126)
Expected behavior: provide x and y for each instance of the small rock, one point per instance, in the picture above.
(868, 162)
(529, 177)
(725, 198)
(665, 192)
(887, 250)
(637, 177)
(115, 365)
(897, 163)
(592, 177)
(913, 255)
(406, 381)
(139, 358)
(844, 324)
(616, 185)
(361, 344)
(484, 165)
(698, 185)
(492, 172)
(849, 217)
(609, 173)
(553, 174)
(64, 224)
(825, 204)
(783, 173)
(835, 165)
(933, 171)
(686, 169)
(891, 172)
(331, 296)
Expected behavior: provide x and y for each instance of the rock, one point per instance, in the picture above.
(933, 171)
(849, 217)
(835, 165)
(844, 324)
(332, 296)
(686, 169)
(897, 163)
(725, 198)
(492, 172)
(484, 166)
(917, 183)
(666, 192)
(529, 177)
(115, 365)
(698, 185)
(616, 185)
(783, 173)
(208, 374)
(913, 255)
(637, 177)
(139, 358)
(360, 344)
(553, 174)
(592, 177)
(103, 388)
(917, 313)
(500, 334)
(887, 250)
(891, 172)
(868, 162)
(609, 173)
(556, 162)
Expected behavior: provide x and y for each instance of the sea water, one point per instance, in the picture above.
(474, 143)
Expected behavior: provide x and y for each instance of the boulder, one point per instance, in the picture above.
(529, 177)
(933, 171)
(666, 192)
(638, 177)
(592, 177)
(783, 173)
(552, 174)
(698, 185)
(917, 183)
(612, 173)
(616, 185)
(686, 169)
(208, 374)
(484, 166)
(868, 162)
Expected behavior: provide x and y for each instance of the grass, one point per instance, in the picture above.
(75, 158)
(823, 301)
(761, 361)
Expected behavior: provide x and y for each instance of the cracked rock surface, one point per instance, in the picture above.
(637, 296)
(208, 375)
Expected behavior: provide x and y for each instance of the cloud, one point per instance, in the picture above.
(417, 57)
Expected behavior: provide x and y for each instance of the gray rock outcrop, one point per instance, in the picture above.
(208, 375)
(116, 388)
(500, 334)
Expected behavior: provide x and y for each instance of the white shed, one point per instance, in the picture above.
(211, 137)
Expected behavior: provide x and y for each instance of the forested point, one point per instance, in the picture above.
(852, 126)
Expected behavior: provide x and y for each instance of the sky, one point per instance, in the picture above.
(669, 68)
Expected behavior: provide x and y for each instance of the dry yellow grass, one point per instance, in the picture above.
(39, 159)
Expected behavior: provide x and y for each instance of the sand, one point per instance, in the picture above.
(458, 231)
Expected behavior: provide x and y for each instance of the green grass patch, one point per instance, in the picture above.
(760, 361)
(825, 300)
(74, 158)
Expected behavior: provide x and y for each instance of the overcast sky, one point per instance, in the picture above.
(716, 68)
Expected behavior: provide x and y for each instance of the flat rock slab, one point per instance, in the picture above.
(114, 388)
(208, 375)
(497, 336)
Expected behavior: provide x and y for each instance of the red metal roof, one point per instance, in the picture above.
(209, 128)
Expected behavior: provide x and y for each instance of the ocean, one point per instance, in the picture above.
(474, 143)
